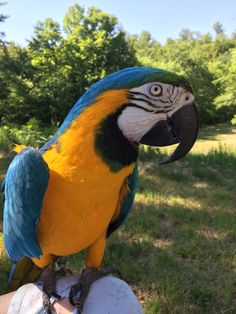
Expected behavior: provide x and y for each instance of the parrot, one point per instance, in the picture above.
(79, 187)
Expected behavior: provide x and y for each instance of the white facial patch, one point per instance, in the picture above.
(163, 95)
(149, 104)
(135, 122)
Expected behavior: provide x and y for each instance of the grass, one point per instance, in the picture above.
(178, 247)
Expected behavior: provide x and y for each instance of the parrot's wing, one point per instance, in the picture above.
(127, 202)
(24, 188)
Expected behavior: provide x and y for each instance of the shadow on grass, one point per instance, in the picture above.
(192, 274)
(211, 132)
(178, 245)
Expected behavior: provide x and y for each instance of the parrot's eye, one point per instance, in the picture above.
(155, 90)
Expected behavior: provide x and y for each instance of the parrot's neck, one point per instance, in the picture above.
(113, 147)
(94, 140)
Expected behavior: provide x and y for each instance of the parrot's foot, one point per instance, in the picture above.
(49, 280)
(87, 277)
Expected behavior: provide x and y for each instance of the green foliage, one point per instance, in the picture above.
(16, 102)
(233, 121)
(145, 47)
(30, 134)
(45, 78)
(2, 19)
(206, 62)
(226, 78)
(59, 65)
(218, 28)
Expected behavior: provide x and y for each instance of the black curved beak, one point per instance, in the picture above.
(180, 126)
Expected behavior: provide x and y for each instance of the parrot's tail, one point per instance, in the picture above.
(22, 272)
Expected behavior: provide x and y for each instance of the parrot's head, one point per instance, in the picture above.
(138, 105)
(161, 112)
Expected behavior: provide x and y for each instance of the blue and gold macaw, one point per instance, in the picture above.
(80, 186)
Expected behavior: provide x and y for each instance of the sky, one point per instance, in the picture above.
(162, 18)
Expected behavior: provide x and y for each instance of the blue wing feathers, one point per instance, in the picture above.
(127, 202)
(24, 188)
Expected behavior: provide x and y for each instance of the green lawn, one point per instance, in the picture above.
(178, 247)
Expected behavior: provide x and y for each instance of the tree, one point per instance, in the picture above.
(146, 48)
(227, 79)
(93, 46)
(197, 57)
(15, 100)
(47, 80)
(218, 28)
(96, 39)
(2, 19)
(186, 34)
(60, 62)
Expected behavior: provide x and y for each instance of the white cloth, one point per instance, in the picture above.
(108, 295)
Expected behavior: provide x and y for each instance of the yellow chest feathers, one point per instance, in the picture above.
(83, 193)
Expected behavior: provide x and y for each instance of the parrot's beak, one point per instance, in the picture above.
(180, 126)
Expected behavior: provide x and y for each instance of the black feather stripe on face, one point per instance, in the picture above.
(149, 104)
(113, 147)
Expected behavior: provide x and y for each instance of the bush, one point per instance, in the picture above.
(6, 138)
(233, 121)
(30, 134)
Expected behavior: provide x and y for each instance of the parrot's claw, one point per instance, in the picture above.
(48, 279)
(87, 277)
